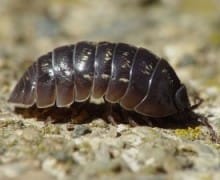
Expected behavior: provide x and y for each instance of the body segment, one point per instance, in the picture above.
(102, 68)
(63, 72)
(123, 57)
(141, 72)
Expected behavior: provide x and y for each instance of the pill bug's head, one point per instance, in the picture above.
(181, 99)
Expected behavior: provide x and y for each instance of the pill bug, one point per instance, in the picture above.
(132, 77)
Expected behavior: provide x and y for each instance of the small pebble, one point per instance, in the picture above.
(80, 130)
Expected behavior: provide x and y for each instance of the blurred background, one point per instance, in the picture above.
(185, 32)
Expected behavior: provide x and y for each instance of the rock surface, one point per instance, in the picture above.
(185, 32)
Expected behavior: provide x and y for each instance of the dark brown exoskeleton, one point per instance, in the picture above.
(133, 77)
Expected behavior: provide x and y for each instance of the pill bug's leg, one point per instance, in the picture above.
(49, 120)
(134, 119)
(53, 115)
(127, 117)
(109, 115)
(79, 112)
(80, 118)
(149, 121)
(76, 108)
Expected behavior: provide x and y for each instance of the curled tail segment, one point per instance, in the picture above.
(24, 93)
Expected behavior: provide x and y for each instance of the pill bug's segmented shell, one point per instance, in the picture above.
(121, 73)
